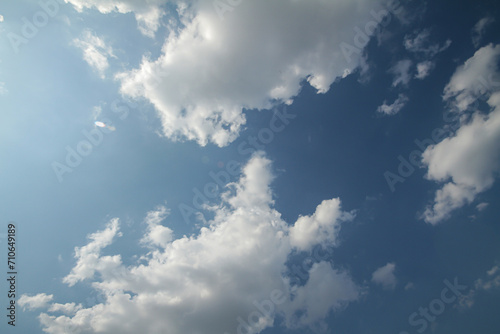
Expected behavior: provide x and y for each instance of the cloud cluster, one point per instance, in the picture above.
(215, 282)
(258, 56)
(423, 50)
(491, 282)
(468, 161)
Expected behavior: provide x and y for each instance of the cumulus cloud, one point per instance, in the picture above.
(401, 72)
(157, 235)
(385, 276)
(478, 76)
(320, 228)
(395, 107)
(420, 43)
(68, 308)
(147, 13)
(40, 300)
(468, 162)
(479, 30)
(424, 69)
(212, 69)
(230, 277)
(95, 51)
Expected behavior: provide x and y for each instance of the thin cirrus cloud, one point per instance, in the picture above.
(95, 52)
(401, 72)
(210, 282)
(468, 161)
(479, 30)
(420, 43)
(213, 69)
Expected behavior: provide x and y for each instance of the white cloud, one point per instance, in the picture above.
(68, 308)
(314, 299)
(40, 300)
(424, 69)
(409, 286)
(147, 13)
(479, 29)
(421, 43)
(95, 51)
(385, 276)
(89, 259)
(213, 281)
(395, 107)
(468, 162)
(320, 228)
(481, 206)
(478, 76)
(492, 281)
(401, 72)
(1, 18)
(212, 69)
(157, 235)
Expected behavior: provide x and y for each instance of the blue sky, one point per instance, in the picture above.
(264, 167)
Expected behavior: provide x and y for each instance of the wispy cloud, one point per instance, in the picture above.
(489, 283)
(401, 72)
(395, 107)
(479, 30)
(95, 52)
(424, 69)
(147, 14)
(420, 42)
